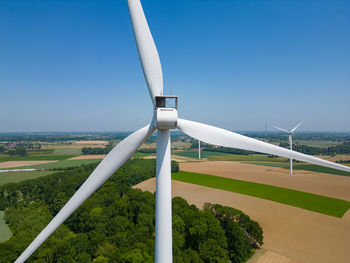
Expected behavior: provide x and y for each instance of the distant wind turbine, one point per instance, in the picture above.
(290, 135)
(165, 117)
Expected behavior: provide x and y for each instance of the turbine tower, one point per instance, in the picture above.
(199, 149)
(165, 117)
(290, 135)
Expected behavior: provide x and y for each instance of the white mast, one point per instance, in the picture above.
(163, 244)
(199, 149)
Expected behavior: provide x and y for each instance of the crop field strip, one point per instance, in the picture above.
(194, 154)
(248, 158)
(317, 203)
(221, 156)
(15, 177)
(304, 166)
(60, 164)
(36, 158)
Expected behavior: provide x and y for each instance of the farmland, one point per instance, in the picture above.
(35, 158)
(52, 156)
(291, 232)
(303, 166)
(14, 177)
(61, 164)
(249, 181)
(305, 181)
(317, 203)
(248, 158)
(194, 154)
(318, 143)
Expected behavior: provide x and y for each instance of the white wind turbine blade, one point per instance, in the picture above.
(147, 49)
(116, 158)
(296, 127)
(221, 137)
(278, 128)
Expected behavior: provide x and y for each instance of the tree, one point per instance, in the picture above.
(210, 251)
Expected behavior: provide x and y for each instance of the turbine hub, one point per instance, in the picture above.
(166, 112)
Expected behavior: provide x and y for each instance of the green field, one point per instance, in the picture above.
(60, 164)
(304, 166)
(317, 203)
(317, 143)
(194, 154)
(5, 232)
(140, 155)
(35, 158)
(15, 177)
(67, 151)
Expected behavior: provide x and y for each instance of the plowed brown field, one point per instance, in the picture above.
(317, 183)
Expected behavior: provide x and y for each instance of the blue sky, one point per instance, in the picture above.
(73, 65)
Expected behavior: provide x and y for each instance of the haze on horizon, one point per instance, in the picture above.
(73, 66)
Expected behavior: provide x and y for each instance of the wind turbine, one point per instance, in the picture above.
(164, 119)
(290, 135)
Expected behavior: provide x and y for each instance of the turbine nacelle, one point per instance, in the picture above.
(165, 112)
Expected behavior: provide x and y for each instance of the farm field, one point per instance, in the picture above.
(317, 143)
(296, 234)
(88, 156)
(35, 158)
(194, 154)
(67, 151)
(15, 177)
(15, 164)
(303, 166)
(71, 147)
(92, 142)
(306, 181)
(248, 158)
(317, 203)
(61, 164)
(73, 144)
(260, 159)
(5, 232)
(338, 157)
(53, 156)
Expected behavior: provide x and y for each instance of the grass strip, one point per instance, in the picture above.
(15, 177)
(304, 166)
(36, 158)
(60, 164)
(317, 203)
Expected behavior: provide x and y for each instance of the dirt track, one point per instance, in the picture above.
(11, 164)
(323, 184)
(300, 235)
